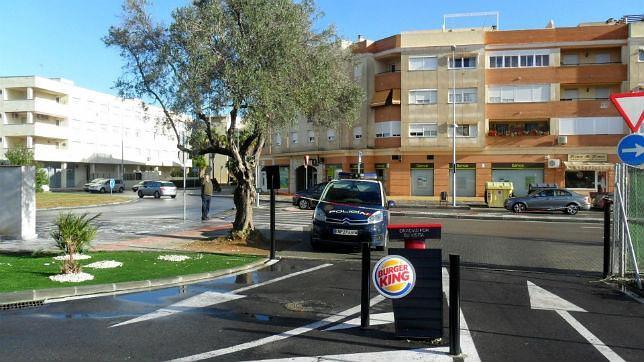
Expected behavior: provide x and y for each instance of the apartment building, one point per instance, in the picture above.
(78, 134)
(530, 106)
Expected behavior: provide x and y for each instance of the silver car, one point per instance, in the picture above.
(157, 189)
(549, 200)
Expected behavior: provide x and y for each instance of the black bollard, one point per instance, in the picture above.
(272, 224)
(454, 305)
(364, 297)
(606, 237)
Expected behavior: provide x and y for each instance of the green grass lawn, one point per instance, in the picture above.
(48, 200)
(23, 272)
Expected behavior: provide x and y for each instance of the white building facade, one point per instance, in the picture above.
(78, 134)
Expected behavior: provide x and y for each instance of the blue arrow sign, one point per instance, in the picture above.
(112, 183)
(631, 149)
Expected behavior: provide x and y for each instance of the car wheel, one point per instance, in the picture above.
(140, 194)
(157, 194)
(121, 190)
(572, 209)
(303, 204)
(519, 207)
(102, 190)
(173, 196)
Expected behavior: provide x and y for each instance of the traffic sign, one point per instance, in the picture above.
(631, 107)
(631, 149)
(112, 183)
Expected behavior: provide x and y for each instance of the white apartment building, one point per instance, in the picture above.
(79, 134)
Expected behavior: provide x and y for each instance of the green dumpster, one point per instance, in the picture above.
(497, 192)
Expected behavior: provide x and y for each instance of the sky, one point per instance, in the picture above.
(63, 38)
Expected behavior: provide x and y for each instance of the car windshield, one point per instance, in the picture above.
(167, 184)
(354, 192)
(97, 180)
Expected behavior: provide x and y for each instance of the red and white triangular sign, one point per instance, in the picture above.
(631, 107)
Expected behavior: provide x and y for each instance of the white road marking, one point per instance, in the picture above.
(468, 348)
(421, 354)
(545, 300)
(592, 227)
(278, 337)
(374, 320)
(211, 298)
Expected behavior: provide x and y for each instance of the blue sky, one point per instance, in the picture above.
(63, 38)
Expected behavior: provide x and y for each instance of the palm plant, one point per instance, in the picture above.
(73, 234)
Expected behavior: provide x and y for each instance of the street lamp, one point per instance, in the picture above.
(453, 126)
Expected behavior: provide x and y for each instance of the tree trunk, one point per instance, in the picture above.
(244, 198)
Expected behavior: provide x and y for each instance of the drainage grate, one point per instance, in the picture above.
(22, 305)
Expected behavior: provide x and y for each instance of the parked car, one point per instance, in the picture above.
(308, 198)
(94, 181)
(103, 186)
(549, 200)
(157, 189)
(351, 212)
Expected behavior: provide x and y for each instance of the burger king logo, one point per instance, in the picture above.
(394, 276)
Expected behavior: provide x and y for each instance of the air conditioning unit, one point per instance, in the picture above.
(562, 140)
(554, 163)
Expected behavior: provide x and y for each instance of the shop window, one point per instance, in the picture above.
(580, 179)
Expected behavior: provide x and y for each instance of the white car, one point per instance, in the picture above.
(103, 186)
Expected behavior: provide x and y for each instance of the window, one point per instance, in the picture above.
(515, 59)
(523, 93)
(388, 129)
(311, 136)
(422, 63)
(570, 59)
(422, 96)
(330, 135)
(602, 93)
(591, 126)
(423, 130)
(580, 179)
(357, 133)
(278, 139)
(602, 58)
(463, 95)
(641, 55)
(570, 94)
(462, 62)
(294, 137)
(463, 130)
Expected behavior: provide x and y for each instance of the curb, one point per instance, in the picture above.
(43, 295)
(497, 217)
(88, 206)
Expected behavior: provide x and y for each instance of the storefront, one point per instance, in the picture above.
(422, 179)
(520, 174)
(587, 171)
(465, 179)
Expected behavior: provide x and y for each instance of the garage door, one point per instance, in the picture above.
(521, 178)
(422, 182)
(465, 183)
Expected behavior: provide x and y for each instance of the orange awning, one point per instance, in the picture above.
(380, 98)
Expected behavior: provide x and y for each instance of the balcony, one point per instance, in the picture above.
(42, 106)
(36, 129)
(45, 152)
(387, 80)
(577, 74)
(556, 109)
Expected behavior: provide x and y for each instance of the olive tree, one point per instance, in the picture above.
(261, 61)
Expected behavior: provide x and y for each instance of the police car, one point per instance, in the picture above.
(351, 211)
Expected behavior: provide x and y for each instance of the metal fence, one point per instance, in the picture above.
(628, 228)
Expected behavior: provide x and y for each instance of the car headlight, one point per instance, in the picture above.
(376, 217)
(319, 215)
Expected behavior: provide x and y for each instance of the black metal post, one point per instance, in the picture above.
(364, 297)
(454, 305)
(606, 237)
(272, 224)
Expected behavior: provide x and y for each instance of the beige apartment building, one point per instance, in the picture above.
(531, 106)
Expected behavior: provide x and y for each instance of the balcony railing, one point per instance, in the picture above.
(36, 129)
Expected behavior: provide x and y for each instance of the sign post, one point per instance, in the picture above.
(306, 172)
(272, 183)
(359, 161)
(112, 184)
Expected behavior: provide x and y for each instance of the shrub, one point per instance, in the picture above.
(20, 156)
(73, 234)
(42, 178)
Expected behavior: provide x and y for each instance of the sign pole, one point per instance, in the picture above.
(606, 237)
(454, 305)
(364, 295)
(272, 256)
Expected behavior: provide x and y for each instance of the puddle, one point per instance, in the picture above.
(158, 297)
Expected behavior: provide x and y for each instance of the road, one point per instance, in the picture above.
(530, 292)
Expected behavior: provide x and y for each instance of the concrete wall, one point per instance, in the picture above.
(18, 200)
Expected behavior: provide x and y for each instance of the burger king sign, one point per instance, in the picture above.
(394, 276)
